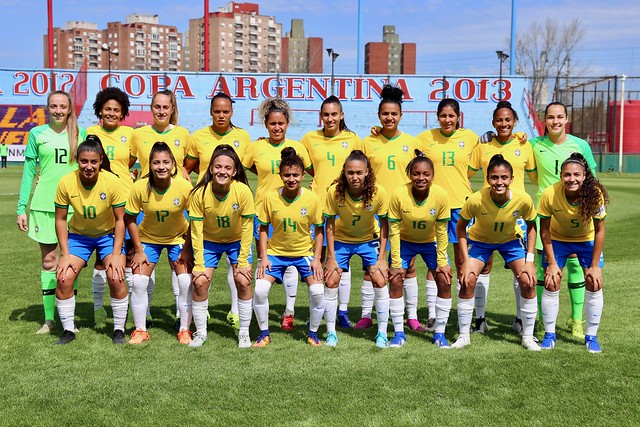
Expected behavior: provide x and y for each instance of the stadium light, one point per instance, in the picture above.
(115, 52)
(333, 55)
(501, 57)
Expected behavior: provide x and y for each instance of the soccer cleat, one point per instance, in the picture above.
(530, 343)
(47, 327)
(184, 337)
(431, 324)
(399, 339)
(198, 340)
(312, 339)
(244, 341)
(575, 326)
(100, 318)
(415, 325)
(66, 338)
(516, 326)
(264, 339)
(287, 322)
(481, 326)
(592, 344)
(234, 319)
(118, 337)
(332, 339)
(381, 340)
(462, 341)
(138, 337)
(343, 319)
(549, 341)
(364, 323)
(440, 340)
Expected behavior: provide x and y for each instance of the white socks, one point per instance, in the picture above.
(465, 312)
(330, 307)
(396, 310)
(316, 306)
(185, 298)
(550, 305)
(98, 285)
(410, 288)
(344, 290)
(139, 301)
(175, 287)
(233, 291)
(443, 307)
(290, 284)
(150, 288)
(529, 311)
(261, 303)
(244, 312)
(481, 292)
(593, 303)
(432, 293)
(120, 308)
(367, 298)
(128, 277)
(382, 308)
(516, 293)
(66, 311)
(199, 310)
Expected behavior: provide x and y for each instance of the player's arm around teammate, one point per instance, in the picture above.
(418, 216)
(572, 214)
(292, 210)
(163, 199)
(97, 224)
(496, 209)
(350, 209)
(221, 213)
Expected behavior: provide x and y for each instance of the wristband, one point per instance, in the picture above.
(530, 257)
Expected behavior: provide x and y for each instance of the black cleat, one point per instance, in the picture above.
(118, 337)
(67, 337)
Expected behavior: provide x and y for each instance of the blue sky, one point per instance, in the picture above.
(452, 36)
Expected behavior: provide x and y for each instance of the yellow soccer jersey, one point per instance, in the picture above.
(116, 146)
(496, 224)
(92, 207)
(205, 140)
(566, 223)
(222, 220)
(266, 158)
(450, 156)
(142, 140)
(519, 155)
(327, 155)
(389, 158)
(355, 222)
(163, 222)
(291, 221)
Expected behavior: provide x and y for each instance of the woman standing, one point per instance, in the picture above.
(496, 210)
(351, 207)
(221, 211)
(572, 214)
(53, 146)
(97, 224)
(292, 211)
(263, 158)
(419, 215)
(163, 199)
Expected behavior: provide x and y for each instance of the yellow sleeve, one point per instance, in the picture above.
(544, 207)
(132, 206)
(193, 150)
(394, 208)
(383, 210)
(245, 241)
(530, 165)
(442, 241)
(118, 199)
(318, 219)
(394, 238)
(329, 205)
(62, 199)
(247, 159)
(263, 211)
(475, 162)
(197, 243)
(305, 158)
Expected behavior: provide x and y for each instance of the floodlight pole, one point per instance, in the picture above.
(333, 55)
(501, 57)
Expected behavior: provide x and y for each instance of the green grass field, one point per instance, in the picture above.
(492, 382)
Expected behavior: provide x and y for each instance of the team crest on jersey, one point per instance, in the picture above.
(345, 144)
(432, 211)
(517, 153)
(235, 206)
(405, 148)
(123, 139)
(303, 211)
(176, 202)
(369, 208)
(461, 144)
(236, 143)
(37, 228)
(516, 214)
(103, 196)
(177, 142)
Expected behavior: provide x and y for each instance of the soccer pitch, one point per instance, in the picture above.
(492, 382)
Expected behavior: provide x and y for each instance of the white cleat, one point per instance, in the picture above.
(462, 341)
(46, 328)
(244, 341)
(197, 340)
(530, 343)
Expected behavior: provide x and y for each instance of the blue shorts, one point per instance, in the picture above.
(213, 252)
(83, 246)
(280, 263)
(453, 223)
(368, 251)
(510, 251)
(256, 229)
(152, 251)
(562, 250)
(427, 251)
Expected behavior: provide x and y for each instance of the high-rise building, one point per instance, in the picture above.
(71, 45)
(390, 56)
(301, 54)
(240, 40)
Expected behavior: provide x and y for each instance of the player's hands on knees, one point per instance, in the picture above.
(116, 264)
(21, 222)
(594, 274)
(465, 272)
(139, 259)
(395, 272)
(381, 266)
(316, 268)
(446, 271)
(246, 272)
(263, 266)
(200, 276)
(330, 267)
(64, 263)
(552, 277)
(527, 277)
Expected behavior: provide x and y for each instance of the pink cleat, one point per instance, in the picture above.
(415, 325)
(363, 323)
